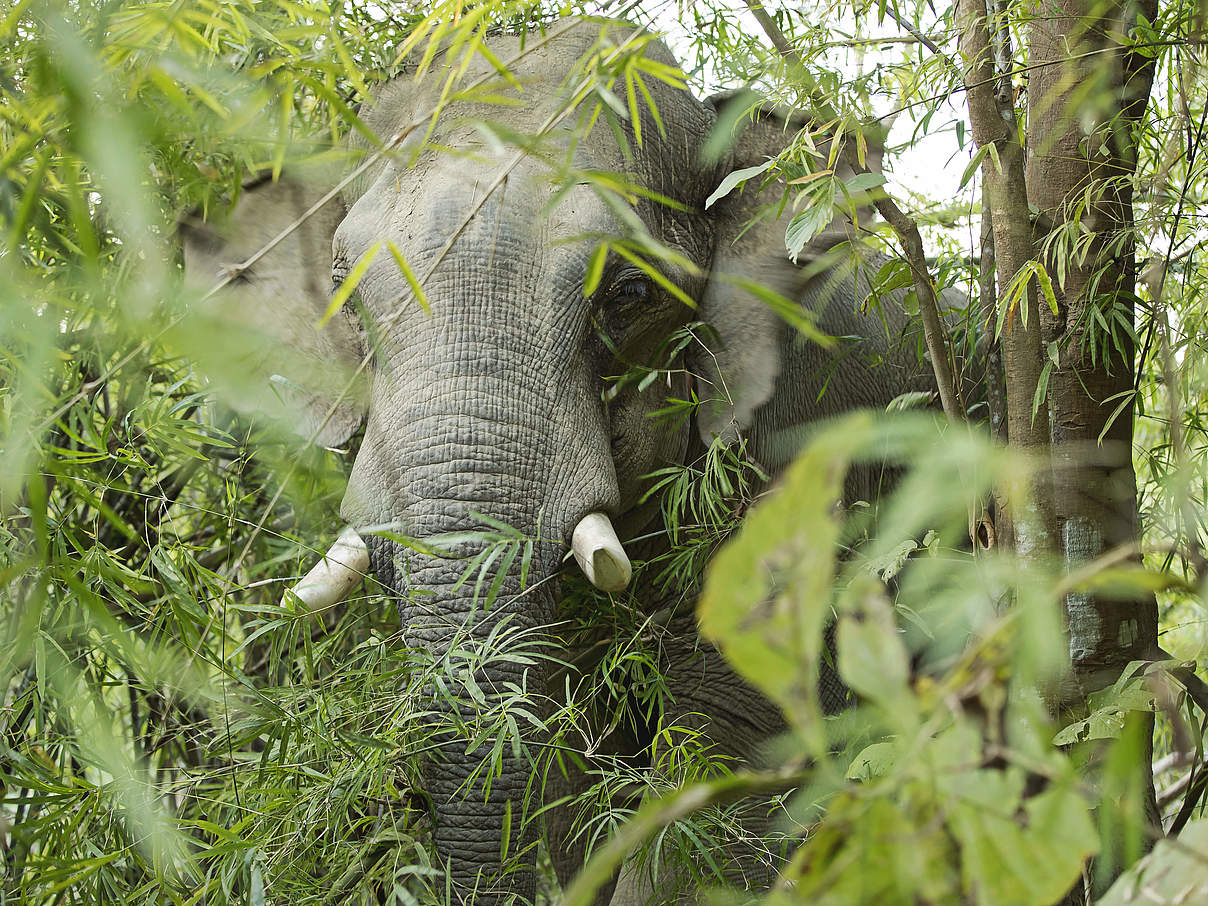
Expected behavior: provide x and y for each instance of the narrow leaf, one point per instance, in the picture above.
(348, 287)
(595, 269)
(734, 179)
(974, 163)
(409, 276)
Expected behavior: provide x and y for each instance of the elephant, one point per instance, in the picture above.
(499, 282)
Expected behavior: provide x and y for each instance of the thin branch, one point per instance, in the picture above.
(775, 35)
(878, 42)
(1197, 785)
(1169, 762)
(1172, 792)
(1023, 69)
(914, 32)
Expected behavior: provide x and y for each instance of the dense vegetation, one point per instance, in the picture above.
(169, 732)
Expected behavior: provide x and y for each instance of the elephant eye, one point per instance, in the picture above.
(339, 270)
(633, 290)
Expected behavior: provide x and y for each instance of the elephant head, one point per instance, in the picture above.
(487, 323)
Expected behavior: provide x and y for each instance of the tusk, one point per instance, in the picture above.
(599, 553)
(337, 574)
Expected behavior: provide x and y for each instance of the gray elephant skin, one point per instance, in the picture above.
(495, 401)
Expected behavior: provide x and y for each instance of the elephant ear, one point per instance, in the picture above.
(271, 350)
(736, 370)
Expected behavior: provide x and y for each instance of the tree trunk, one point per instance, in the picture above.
(1063, 198)
(1085, 92)
(992, 114)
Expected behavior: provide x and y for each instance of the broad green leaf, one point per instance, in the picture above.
(1111, 709)
(875, 851)
(872, 658)
(1104, 723)
(1171, 875)
(767, 591)
(1029, 860)
(873, 761)
(863, 182)
(891, 561)
(810, 222)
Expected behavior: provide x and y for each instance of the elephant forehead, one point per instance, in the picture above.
(504, 220)
(461, 98)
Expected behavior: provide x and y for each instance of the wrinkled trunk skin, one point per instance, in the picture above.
(469, 828)
(472, 416)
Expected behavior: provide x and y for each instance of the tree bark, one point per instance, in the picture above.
(1085, 93)
(996, 128)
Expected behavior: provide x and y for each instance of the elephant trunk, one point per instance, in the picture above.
(482, 455)
(478, 797)
(480, 408)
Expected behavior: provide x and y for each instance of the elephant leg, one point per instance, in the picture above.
(565, 835)
(707, 697)
(567, 831)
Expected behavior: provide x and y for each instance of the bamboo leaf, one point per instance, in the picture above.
(635, 115)
(409, 275)
(993, 150)
(595, 269)
(1046, 286)
(654, 274)
(810, 222)
(736, 178)
(810, 177)
(974, 164)
(345, 290)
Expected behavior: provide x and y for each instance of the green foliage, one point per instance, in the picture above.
(774, 639)
(169, 733)
(1172, 872)
(945, 784)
